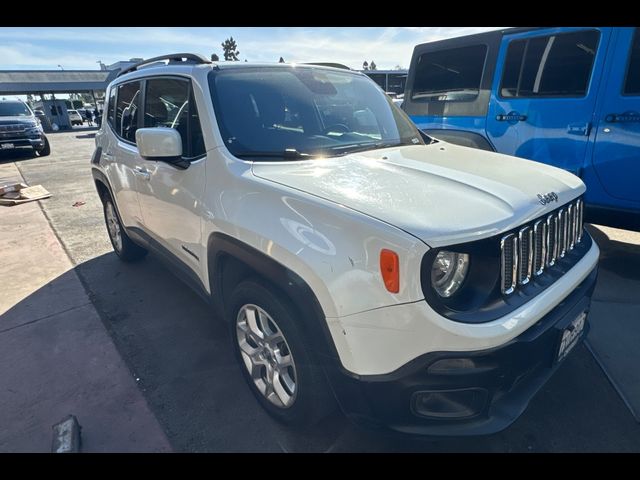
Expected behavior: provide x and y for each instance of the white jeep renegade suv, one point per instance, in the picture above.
(426, 287)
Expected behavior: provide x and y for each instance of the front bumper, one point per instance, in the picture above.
(33, 142)
(486, 394)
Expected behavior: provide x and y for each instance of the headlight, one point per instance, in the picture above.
(34, 127)
(448, 271)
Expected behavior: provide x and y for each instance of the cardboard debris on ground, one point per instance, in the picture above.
(11, 187)
(16, 193)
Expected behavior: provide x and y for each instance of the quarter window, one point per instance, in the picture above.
(111, 108)
(169, 103)
(632, 80)
(449, 75)
(127, 110)
(550, 66)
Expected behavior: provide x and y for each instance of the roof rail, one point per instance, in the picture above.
(176, 57)
(329, 64)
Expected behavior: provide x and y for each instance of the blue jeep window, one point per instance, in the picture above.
(632, 81)
(550, 66)
(449, 75)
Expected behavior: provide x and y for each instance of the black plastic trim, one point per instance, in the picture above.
(461, 137)
(97, 154)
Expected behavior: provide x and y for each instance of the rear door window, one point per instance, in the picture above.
(550, 66)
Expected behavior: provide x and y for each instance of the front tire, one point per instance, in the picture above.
(46, 150)
(275, 356)
(124, 247)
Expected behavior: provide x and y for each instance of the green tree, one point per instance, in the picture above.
(281, 60)
(373, 66)
(365, 65)
(229, 47)
(215, 58)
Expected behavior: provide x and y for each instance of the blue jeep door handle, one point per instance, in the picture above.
(631, 117)
(511, 117)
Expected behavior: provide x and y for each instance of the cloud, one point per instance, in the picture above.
(83, 47)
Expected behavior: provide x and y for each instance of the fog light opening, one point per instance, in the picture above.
(464, 403)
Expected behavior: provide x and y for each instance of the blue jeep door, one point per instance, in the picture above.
(544, 94)
(616, 154)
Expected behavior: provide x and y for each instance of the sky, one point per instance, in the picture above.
(82, 48)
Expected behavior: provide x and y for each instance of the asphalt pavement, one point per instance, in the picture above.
(180, 355)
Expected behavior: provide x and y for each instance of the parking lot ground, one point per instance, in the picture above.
(615, 312)
(56, 358)
(190, 379)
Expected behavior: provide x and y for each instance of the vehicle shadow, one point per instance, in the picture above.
(188, 373)
(618, 257)
(17, 155)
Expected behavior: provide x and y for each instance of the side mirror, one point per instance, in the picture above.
(160, 143)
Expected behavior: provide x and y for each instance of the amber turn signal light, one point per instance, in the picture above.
(390, 270)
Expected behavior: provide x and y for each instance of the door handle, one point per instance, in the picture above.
(511, 117)
(582, 129)
(627, 117)
(142, 172)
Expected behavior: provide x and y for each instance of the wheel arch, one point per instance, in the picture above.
(102, 184)
(231, 261)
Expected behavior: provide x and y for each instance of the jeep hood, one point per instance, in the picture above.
(12, 119)
(440, 193)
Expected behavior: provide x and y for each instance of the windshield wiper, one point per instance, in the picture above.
(287, 154)
(363, 147)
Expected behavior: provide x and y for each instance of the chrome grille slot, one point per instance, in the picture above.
(571, 227)
(552, 239)
(539, 247)
(525, 255)
(580, 224)
(562, 232)
(509, 263)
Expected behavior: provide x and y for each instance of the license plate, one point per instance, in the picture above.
(7, 146)
(571, 335)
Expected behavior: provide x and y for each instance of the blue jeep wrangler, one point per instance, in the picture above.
(568, 97)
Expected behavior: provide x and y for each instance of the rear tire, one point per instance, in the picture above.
(46, 150)
(124, 247)
(275, 356)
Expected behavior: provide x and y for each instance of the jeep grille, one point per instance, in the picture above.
(538, 246)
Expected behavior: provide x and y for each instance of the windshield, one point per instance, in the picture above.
(14, 109)
(304, 112)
